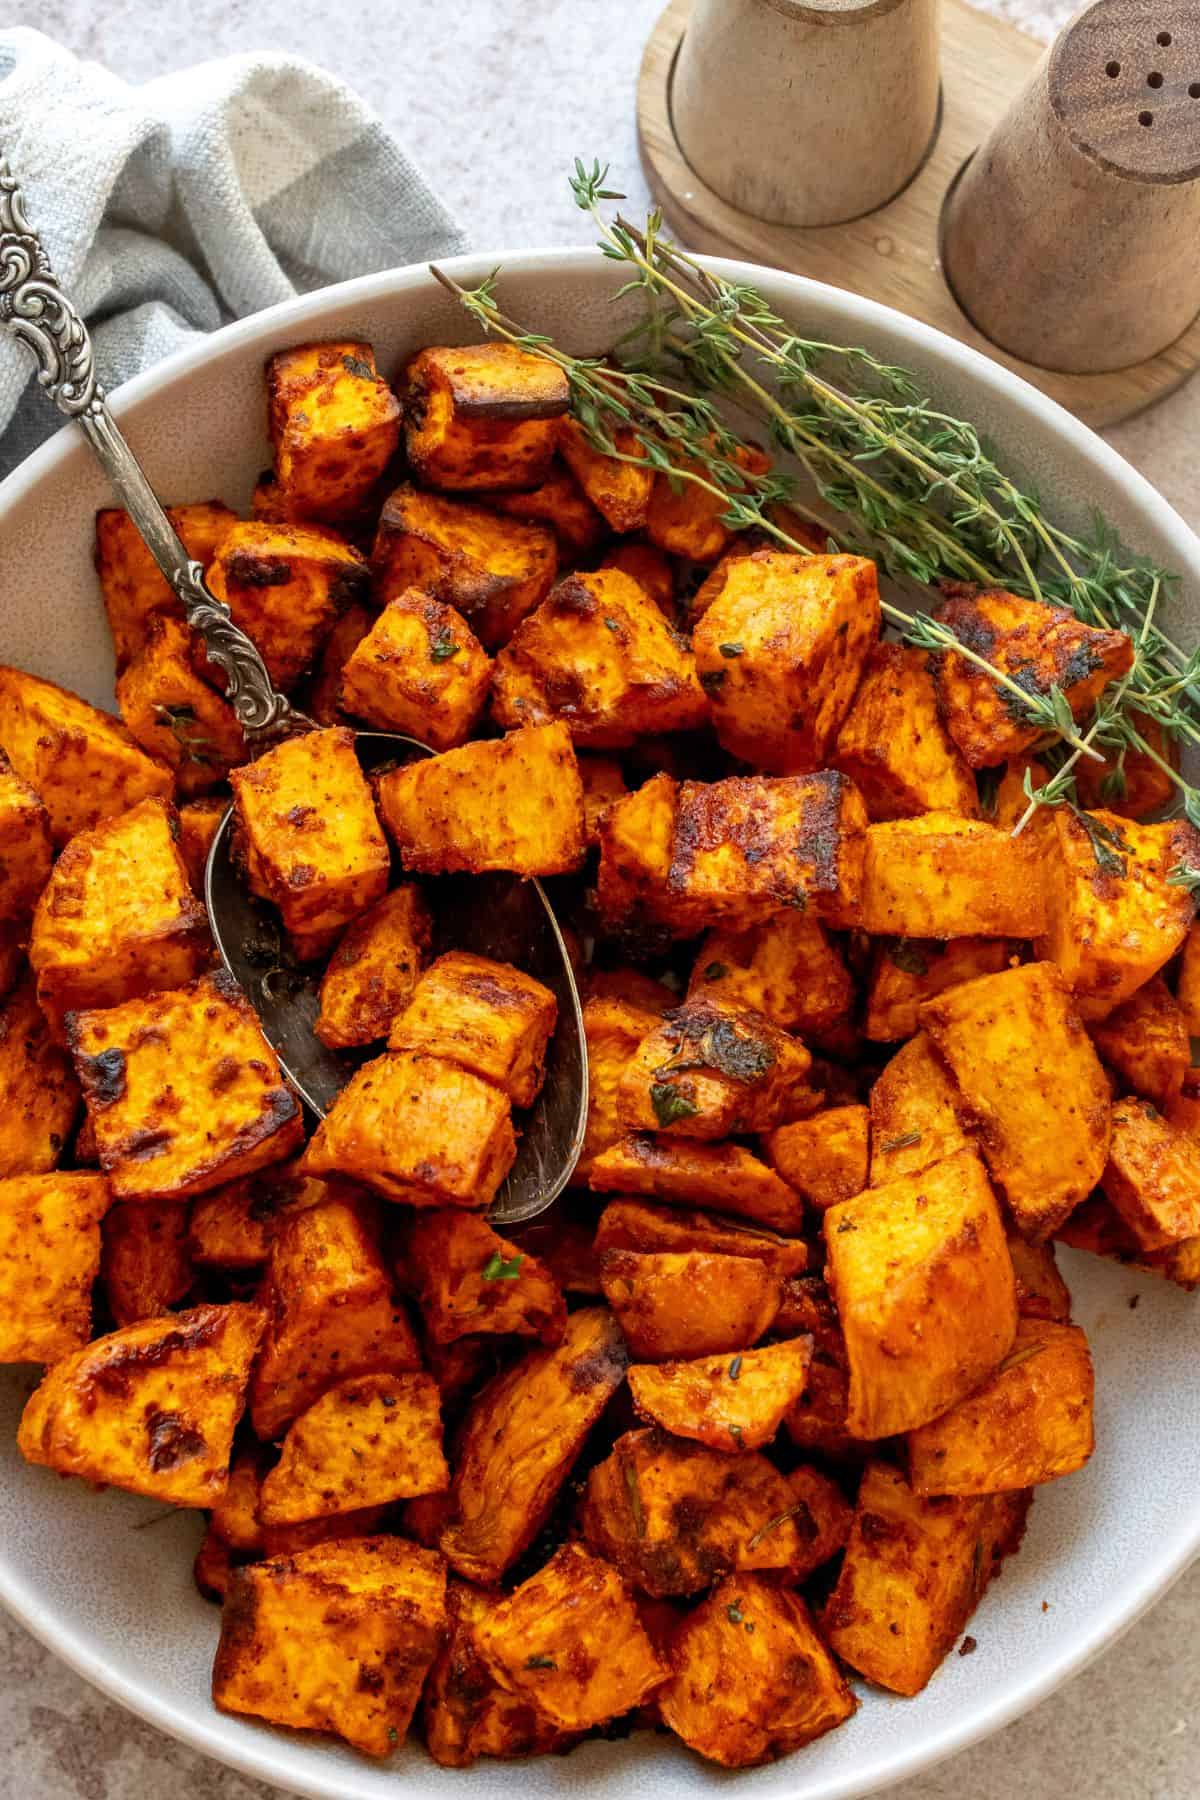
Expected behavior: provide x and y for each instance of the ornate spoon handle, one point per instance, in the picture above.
(34, 309)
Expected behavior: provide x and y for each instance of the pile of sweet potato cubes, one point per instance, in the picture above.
(760, 1404)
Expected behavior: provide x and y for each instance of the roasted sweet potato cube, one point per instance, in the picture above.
(636, 838)
(943, 876)
(335, 426)
(689, 1303)
(174, 714)
(560, 503)
(1039, 647)
(914, 1571)
(1098, 1227)
(309, 837)
(134, 588)
(468, 1279)
(894, 747)
(1130, 782)
(684, 518)
(825, 1158)
(613, 1029)
(371, 975)
(234, 1226)
(331, 1313)
(324, 692)
(25, 847)
(235, 1513)
(1187, 987)
(1041, 1291)
(750, 1679)
(711, 1070)
(753, 845)
(672, 1515)
(651, 568)
(1031, 1083)
(924, 1286)
(823, 1518)
(781, 650)
(729, 1403)
(916, 1113)
(285, 586)
(465, 1712)
(1153, 1176)
(213, 1568)
(370, 1440)
(417, 1129)
(725, 1176)
(150, 1408)
(817, 1422)
(491, 569)
(49, 1259)
(183, 1090)
(802, 533)
(632, 1225)
(482, 415)
(788, 968)
(39, 1095)
(509, 803)
(199, 822)
(519, 1439)
(1030, 1421)
(82, 764)
(488, 1017)
(144, 1260)
(599, 655)
(1145, 1040)
(603, 785)
(906, 971)
(620, 486)
(337, 1638)
(118, 917)
(419, 670)
(1113, 916)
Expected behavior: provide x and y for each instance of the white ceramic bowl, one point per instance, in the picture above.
(105, 1579)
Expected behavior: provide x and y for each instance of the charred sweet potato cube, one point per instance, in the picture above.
(519, 1439)
(183, 1090)
(727, 1177)
(906, 971)
(943, 876)
(468, 1279)
(1039, 647)
(491, 569)
(1032, 1085)
(174, 715)
(309, 837)
(750, 1679)
(331, 1313)
(234, 1226)
(710, 1070)
(482, 415)
(368, 1441)
(914, 1571)
(689, 1303)
(285, 586)
(599, 655)
(672, 1515)
(49, 1259)
(508, 803)
(371, 975)
(418, 1129)
(612, 1031)
(685, 519)
(25, 847)
(323, 700)
(817, 1422)
(1153, 1176)
(916, 1113)
(620, 486)
(118, 917)
(39, 1095)
(465, 1712)
(150, 1408)
(560, 503)
(636, 838)
(1030, 1421)
(924, 1286)
(419, 670)
(781, 650)
(144, 1260)
(570, 1640)
(1113, 916)
(337, 1638)
(1130, 782)
(82, 764)
(788, 968)
(825, 1158)
(632, 1225)
(1145, 1040)
(603, 785)
(199, 822)
(729, 1403)
(134, 588)
(488, 1017)
(651, 568)
(334, 424)
(894, 747)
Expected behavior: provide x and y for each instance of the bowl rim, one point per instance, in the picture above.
(259, 1756)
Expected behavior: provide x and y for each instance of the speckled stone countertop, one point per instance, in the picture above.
(494, 99)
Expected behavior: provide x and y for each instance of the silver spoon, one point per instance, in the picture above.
(492, 915)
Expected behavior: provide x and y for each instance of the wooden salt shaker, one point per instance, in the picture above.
(807, 112)
(1072, 237)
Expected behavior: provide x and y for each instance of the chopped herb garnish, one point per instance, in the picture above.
(613, 624)
(735, 1368)
(732, 649)
(733, 1613)
(847, 1225)
(393, 1735)
(179, 721)
(903, 1142)
(1185, 875)
(497, 1269)
(669, 1104)
(443, 647)
(1105, 843)
(714, 1042)
(715, 971)
(540, 1662)
(354, 365)
(735, 1432)
(713, 680)
(774, 1524)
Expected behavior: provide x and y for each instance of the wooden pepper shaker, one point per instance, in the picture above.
(807, 112)
(1072, 237)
